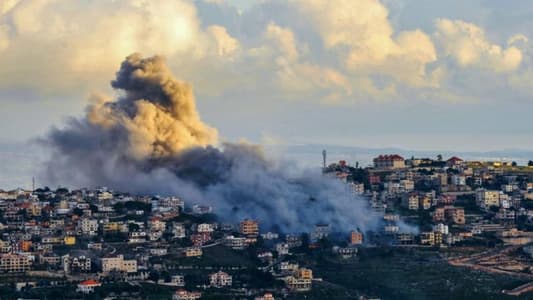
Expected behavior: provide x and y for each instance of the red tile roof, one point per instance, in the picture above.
(90, 282)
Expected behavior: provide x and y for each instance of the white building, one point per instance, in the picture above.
(88, 226)
(282, 248)
(442, 228)
(88, 286)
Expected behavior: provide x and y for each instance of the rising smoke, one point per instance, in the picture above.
(152, 140)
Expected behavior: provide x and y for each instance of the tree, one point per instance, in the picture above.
(530, 163)
(514, 164)
(133, 227)
(439, 157)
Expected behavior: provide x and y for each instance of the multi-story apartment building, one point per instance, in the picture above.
(301, 281)
(249, 227)
(88, 226)
(14, 263)
(119, 264)
(487, 198)
(410, 201)
(393, 161)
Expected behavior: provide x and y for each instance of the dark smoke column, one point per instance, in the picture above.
(152, 140)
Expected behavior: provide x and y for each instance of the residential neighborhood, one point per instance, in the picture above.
(100, 240)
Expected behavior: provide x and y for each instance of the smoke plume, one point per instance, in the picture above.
(152, 140)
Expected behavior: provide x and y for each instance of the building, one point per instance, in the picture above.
(220, 279)
(282, 248)
(249, 227)
(393, 161)
(199, 239)
(442, 228)
(205, 228)
(236, 243)
(186, 295)
(69, 240)
(410, 201)
(178, 230)
(266, 296)
(356, 238)
(119, 264)
(89, 226)
(88, 286)
(193, 252)
(455, 215)
(438, 215)
(74, 264)
(156, 224)
(425, 202)
(321, 231)
(427, 238)
(458, 180)
(454, 162)
(301, 281)
(14, 263)
(486, 198)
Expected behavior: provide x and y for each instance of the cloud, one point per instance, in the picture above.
(66, 45)
(336, 51)
(226, 45)
(467, 44)
(363, 38)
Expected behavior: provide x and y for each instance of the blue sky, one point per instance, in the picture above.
(428, 75)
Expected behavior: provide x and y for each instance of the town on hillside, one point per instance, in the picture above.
(468, 224)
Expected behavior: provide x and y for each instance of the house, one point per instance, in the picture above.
(88, 286)
(454, 161)
(220, 279)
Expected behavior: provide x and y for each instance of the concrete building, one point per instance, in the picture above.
(410, 201)
(14, 263)
(88, 286)
(249, 227)
(301, 281)
(119, 264)
(89, 226)
(186, 295)
(356, 238)
(487, 198)
(393, 161)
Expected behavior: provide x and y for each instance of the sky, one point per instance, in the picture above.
(417, 74)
